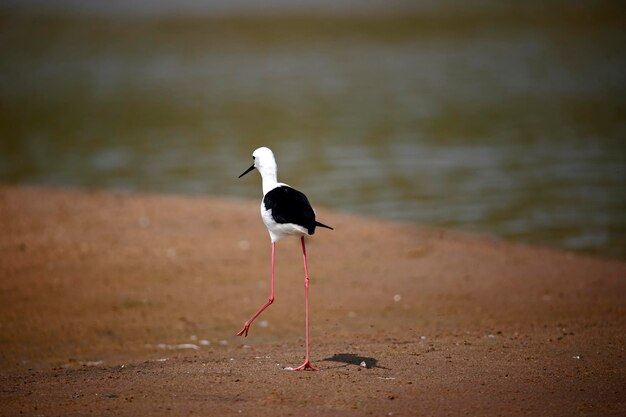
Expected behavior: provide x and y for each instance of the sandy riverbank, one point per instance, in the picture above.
(97, 291)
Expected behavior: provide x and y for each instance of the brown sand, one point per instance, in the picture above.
(447, 323)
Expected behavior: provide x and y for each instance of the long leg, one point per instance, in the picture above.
(247, 324)
(307, 362)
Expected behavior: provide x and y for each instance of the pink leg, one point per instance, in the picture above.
(247, 324)
(307, 362)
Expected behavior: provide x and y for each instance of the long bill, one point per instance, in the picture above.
(247, 170)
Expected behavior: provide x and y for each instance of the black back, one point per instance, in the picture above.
(291, 206)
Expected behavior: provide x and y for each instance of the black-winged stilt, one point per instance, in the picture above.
(285, 212)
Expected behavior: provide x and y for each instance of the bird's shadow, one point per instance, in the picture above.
(354, 359)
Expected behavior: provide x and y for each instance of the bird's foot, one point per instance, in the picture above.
(244, 332)
(306, 365)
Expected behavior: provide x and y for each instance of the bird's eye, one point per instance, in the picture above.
(253, 158)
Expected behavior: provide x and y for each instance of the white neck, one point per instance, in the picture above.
(269, 178)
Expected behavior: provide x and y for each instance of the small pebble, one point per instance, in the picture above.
(91, 363)
(179, 346)
(143, 222)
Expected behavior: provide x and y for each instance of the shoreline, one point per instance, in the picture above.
(460, 233)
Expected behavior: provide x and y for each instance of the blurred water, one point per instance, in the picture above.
(506, 123)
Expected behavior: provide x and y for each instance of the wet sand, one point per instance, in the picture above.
(125, 304)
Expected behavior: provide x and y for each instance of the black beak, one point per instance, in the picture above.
(247, 170)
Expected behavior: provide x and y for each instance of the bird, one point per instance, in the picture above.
(285, 212)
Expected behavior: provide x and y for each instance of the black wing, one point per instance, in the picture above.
(290, 206)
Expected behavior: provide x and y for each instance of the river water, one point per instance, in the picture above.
(504, 121)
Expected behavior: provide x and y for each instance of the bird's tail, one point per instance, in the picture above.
(323, 225)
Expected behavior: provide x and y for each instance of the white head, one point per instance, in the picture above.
(263, 161)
